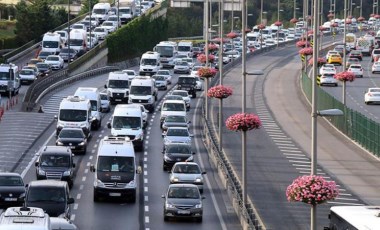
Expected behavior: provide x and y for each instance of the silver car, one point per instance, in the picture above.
(187, 173)
(185, 96)
(328, 79)
(105, 102)
(175, 121)
(177, 135)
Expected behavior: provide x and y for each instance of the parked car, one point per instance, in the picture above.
(12, 189)
(372, 95)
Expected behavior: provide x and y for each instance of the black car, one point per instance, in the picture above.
(12, 189)
(187, 82)
(55, 163)
(50, 195)
(43, 69)
(65, 54)
(176, 152)
(73, 138)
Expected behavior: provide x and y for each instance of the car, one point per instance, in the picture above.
(73, 138)
(187, 173)
(32, 62)
(43, 69)
(179, 196)
(131, 73)
(165, 73)
(43, 55)
(331, 52)
(327, 79)
(174, 97)
(101, 32)
(144, 112)
(185, 95)
(105, 101)
(181, 67)
(65, 54)
(194, 70)
(62, 223)
(199, 85)
(190, 61)
(375, 67)
(114, 19)
(270, 42)
(196, 51)
(356, 54)
(177, 135)
(372, 95)
(327, 68)
(375, 55)
(356, 69)
(232, 54)
(110, 26)
(93, 20)
(160, 82)
(12, 189)
(335, 59)
(176, 152)
(179, 57)
(351, 61)
(175, 121)
(55, 61)
(34, 68)
(27, 76)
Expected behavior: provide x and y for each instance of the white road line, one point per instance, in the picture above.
(340, 198)
(146, 198)
(287, 147)
(145, 189)
(305, 162)
(294, 154)
(81, 187)
(145, 180)
(299, 158)
(290, 151)
(84, 178)
(147, 219)
(72, 217)
(146, 208)
(79, 195)
(75, 206)
(341, 203)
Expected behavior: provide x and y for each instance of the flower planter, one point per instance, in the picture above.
(231, 35)
(294, 20)
(261, 26)
(243, 122)
(219, 92)
(278, 23)
(302, 44)
(306, 51)
(202, 58)
(320, 61)
(360, 19)
(206, 72)
(345, 76)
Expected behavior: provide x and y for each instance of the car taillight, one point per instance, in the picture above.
(369, 94)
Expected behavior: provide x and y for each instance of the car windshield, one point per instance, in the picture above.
(173, 107)
(329, 75)
(160, 78)
(173, 97)
(116, 164)
(120, 122)
(107, 24)
(175, 119)
(42, 66)
(148, 61)
(178, 149)
(183, 193)
(101, 30)
(55, 160)
(186, 80)
(46, 194)
(140, 90)
(71, 133)
(163, 72)
(177, 132)
(11, 181)
(118, 84)
(26, 72)
(72, 115)
(180, 93)
(187, 169)
(104, 97)
(374, 90)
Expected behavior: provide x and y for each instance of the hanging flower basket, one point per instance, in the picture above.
(294, 20)
(345, 76)
(243, 122)
(330, 15)
(247, 30)
(377, 16)
(219, 92)
(310, 32)
(261, 26)
(322, 28)
(372, 15)
(302, 44)
(206, 72)
(278, 23)
(306, 51)
(232, 35)
(349, 16)
(360, 19)
(335, 24)
(311, 189)
(348, 21)
(212, 47)
(218, 40)
(320, 61)
(202, 58)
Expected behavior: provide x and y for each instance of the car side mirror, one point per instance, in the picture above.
(193, 153)
(204, 172)
(92, 168)
(105, 86)
(188, 122)
(70, 200)
(55, 117)
(139, 170)
(73, 165)
(108, 125)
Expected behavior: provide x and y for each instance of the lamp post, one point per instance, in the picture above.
(261, 11)
(352, 8)
(206, 23)
(344, 48)
(221, 72)
(68, 36)
(232, 17)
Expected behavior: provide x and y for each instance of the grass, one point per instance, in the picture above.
(7, 29)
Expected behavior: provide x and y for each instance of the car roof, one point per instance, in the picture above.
(182, 186)
(47, 183)
(9, 174)
(178, 128)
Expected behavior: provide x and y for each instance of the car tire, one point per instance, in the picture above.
(96, 198)
(166, 218)
(199, 219)
(336, 85)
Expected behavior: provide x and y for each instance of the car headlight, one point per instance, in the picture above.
(198, 205)
(98, 183)
(198, 180)
(166, 157)
(67, 173)
(59, 143)
(150, 100)
(191, 158)
(82, 143)
(41, 172)
(139, 136)
(167, 205)
(109, 93)
(174, 179)
(21, 195)
(131, 184)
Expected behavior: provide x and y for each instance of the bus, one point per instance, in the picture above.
(354, 218)
(168, 51)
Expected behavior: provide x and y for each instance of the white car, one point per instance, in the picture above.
(166, 73)
(356, 69)
(199, 85)
(185, 96)
(110, 26)
(328, 79)
(114, 18)
(104, 101)
(376, 67)
(327, 68)
(194, 71)
(95, 38)
(232, 54)
(131, 73)
(181, 67)
(372, 95)
(55, 61)
(27, 75)
(160, 82)
(101, 32)
(190, 61)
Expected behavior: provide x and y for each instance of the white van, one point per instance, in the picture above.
(52, 42)
(117, 86)
(172, 107)
(101, 11)
(93, 95)
(143, 91)
(115, 169)
(74, 112)
(64, 35)
(16, 218)
(185, 48)
(78, 40)
(150, 63)
(128, 121)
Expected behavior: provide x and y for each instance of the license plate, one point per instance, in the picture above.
(10, 199)
(72, 147)
(117, 99)
(115, 194)
(183, 212)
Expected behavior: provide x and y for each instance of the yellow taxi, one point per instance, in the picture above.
(32, 62)
(335, 59)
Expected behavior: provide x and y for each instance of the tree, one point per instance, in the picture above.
(85, 6)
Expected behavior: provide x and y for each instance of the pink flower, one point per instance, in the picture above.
(320, 61)
(306, 51)
(360, 19)
(206, 72)
(345, 76)
(278, 23)
(312, 190)
(212, 47)
(243, 122)
(261, 26)
(202, 58)
(302, 44)
(219, 92)
(294, 20)
(232, 35)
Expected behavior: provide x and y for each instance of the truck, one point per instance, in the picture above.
(115, 170)
(143, 91)
(185, 48)
(127, 10)
(150, 63)
(9, 79)
(117, 86)
(168, 51)
(101, 11)
(52, 42)
(78, 41)
(92, 93)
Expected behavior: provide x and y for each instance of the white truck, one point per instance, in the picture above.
(52, 42)
(78, 40)
(143, 91)
(74, 112)
(127, 10)
(9, 79)
(150, 63)
(117, 86)
(185, 48)
(101, 11)
(127, 120)
(168, 51)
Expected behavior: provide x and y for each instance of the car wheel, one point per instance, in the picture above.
(96, 198)
(366, 102)
(336, 85)
(84, 151)
(166, 218)
(199, 219)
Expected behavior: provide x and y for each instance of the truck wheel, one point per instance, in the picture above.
(194, 94)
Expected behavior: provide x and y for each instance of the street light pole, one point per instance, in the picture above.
(261, 12)
(232, 17)
(68, 36)
(206, 52)
(221, 16)
(344, 49)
